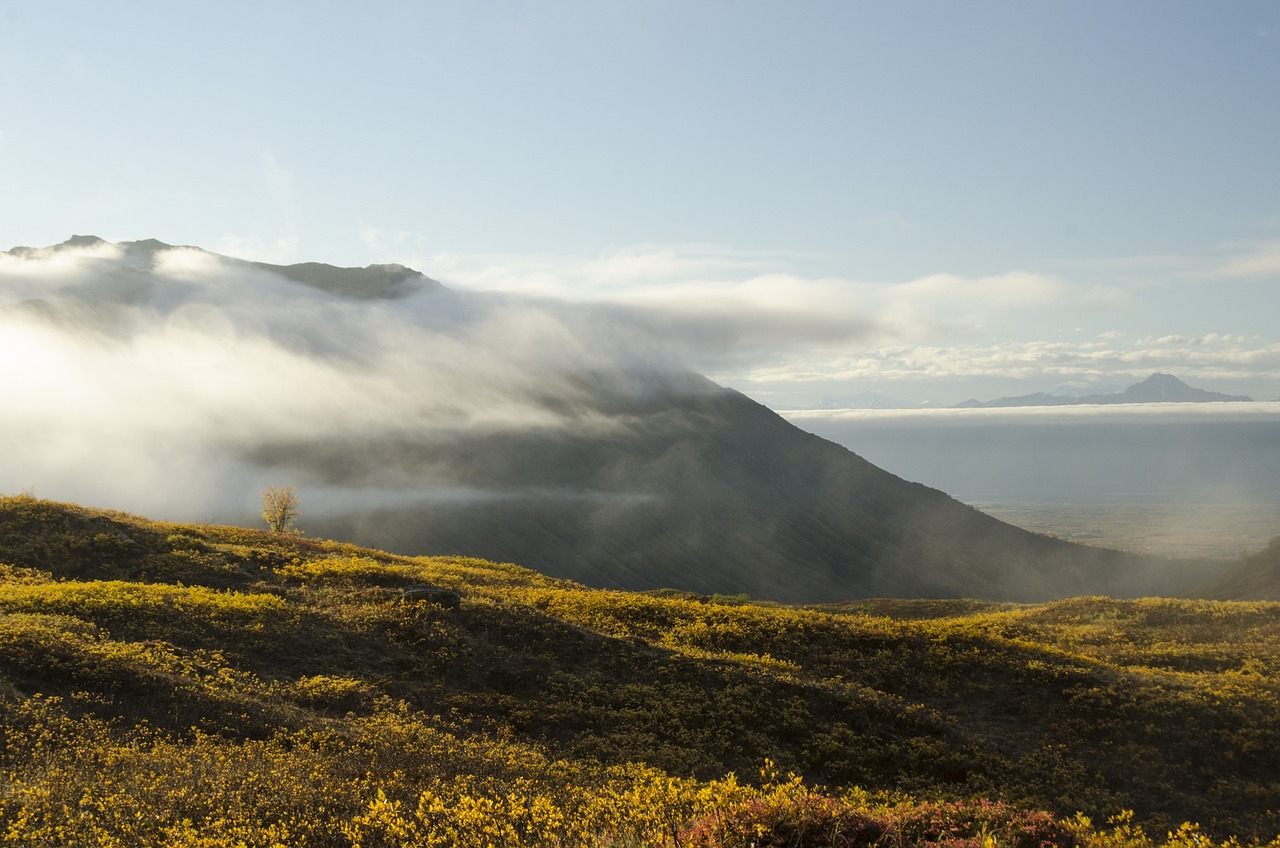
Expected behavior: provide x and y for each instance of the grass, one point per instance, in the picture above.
(170, 684)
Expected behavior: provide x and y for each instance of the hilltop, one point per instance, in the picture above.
(262, 687)
(411, 417)
(1158, 388)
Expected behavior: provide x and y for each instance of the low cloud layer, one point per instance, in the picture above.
(150, 377)
(732, 311)
(1209, 357)
(781, 328)
(140, 376)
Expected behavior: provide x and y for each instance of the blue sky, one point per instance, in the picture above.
(934, 200)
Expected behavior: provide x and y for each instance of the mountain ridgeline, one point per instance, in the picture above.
(710, 492)
(1158, 388)
(423, 420)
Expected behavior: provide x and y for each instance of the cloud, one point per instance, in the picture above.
(152, 378)
(724, 309)
(160, 379)
(1212, 356)
(1167, 412)
(1255, 261)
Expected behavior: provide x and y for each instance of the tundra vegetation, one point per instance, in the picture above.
(182, 685)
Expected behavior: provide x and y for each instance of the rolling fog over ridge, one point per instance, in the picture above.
(145, 376)
(569, 438)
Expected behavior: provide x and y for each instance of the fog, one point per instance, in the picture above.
(149, 378)
(1200, 479)
(177, 383)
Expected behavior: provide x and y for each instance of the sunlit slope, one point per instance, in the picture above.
(708, 491)
(1168, 708)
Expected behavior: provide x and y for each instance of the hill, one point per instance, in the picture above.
(1254, 578)
(164, 683)
(1158, 388)
(173, 381)
(712, 493)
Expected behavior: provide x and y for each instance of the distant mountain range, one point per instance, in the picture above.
(1158, 388)
(421, 420)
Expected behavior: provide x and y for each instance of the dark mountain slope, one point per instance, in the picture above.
(1254, 578)
(708, 491)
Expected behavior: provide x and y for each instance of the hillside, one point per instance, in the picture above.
(1158, 388)
(710, 492)
(1255, 578)
(277, 689)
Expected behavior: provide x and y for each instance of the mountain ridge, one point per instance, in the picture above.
(1158, 388)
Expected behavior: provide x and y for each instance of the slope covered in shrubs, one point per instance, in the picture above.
(170, 684)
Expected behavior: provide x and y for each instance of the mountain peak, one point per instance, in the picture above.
(1158, 388)
(373, 282)
(83, 241)
(1161, 387)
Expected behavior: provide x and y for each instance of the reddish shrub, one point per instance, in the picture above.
(966, 824)
(794, 820)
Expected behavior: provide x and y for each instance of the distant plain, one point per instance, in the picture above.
(1175, 479)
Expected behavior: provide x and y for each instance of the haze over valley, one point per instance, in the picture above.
(1165, 478)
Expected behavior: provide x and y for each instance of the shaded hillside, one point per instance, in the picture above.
(697, 487)
(282, 681)
(1254, 578)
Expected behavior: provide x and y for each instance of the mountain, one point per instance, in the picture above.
(166, 683)
(423, 420)
(1158, 388)
(1255, 578)
(712, 493)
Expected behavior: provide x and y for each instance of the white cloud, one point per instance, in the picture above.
(1257, 260)
(1210, 357)
(724, 308)
(1266, 410)
(149, 388)
(149, 377)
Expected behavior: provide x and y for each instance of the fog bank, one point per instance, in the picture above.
(149, 378)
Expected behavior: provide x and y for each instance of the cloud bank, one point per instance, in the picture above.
(729, 310)
(145, 377)
(153, 377)
(772, 323)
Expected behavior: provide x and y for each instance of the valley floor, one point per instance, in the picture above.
(1211, 530)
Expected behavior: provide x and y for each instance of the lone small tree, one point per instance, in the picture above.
(280, 508)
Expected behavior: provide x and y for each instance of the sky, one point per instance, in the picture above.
(931, 200)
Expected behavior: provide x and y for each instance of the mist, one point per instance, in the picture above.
(1175, 479)
(165, 380)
